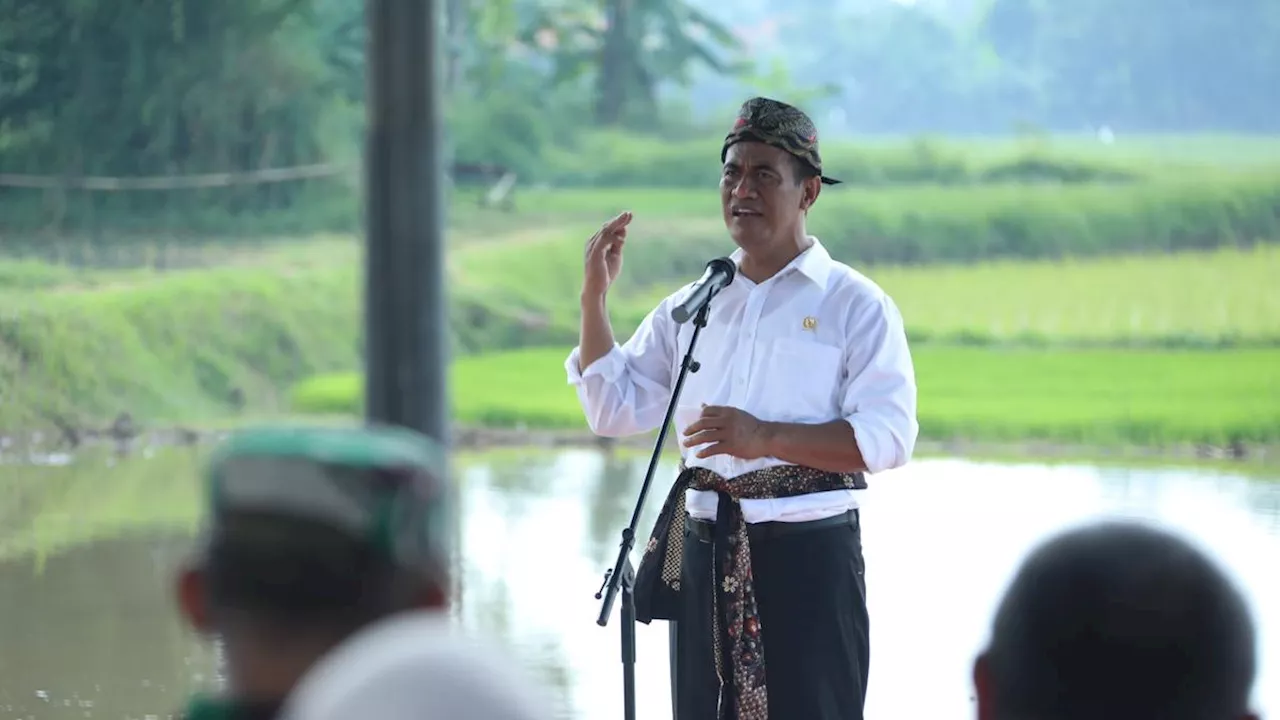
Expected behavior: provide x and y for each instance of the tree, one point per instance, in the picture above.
(630, 47)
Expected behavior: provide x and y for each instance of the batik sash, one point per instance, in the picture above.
(736, 616)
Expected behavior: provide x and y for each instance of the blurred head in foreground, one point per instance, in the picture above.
(1118, 621)
(312, 534)
(415, 667)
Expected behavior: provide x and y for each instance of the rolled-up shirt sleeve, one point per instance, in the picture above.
(879, 394)
(626, 391)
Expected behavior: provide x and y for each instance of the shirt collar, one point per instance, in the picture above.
(814, 263)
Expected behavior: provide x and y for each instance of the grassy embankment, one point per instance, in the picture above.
(173, 347)
(1105, 390)
(176, 346)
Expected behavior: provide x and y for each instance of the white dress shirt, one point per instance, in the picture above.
(816, 342)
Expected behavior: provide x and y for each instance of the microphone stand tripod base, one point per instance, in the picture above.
(626, 588)
(621, 577)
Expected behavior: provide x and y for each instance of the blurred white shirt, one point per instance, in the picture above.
(817, 342)
(416, 666)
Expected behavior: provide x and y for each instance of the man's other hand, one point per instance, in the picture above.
(728, 431)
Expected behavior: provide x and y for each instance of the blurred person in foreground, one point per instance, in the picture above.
(415, 667)
(806, 384)
(1118, 621)
(312, 534)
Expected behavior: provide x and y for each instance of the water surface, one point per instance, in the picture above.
(88, 631)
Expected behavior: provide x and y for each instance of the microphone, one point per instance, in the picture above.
(719, 274)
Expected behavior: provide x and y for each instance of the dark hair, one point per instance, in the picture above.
(803, 170)
(1119, 620)
(293, 575)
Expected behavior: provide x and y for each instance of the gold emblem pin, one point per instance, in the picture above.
(810, 323)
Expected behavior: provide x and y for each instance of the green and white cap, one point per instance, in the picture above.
(382, 485)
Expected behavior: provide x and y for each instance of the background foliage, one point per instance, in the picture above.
(1080, 180)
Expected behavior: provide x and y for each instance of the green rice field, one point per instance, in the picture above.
(1098, 396)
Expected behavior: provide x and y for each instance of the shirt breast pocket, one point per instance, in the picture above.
(801, 379)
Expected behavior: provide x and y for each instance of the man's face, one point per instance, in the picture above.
(761, 196)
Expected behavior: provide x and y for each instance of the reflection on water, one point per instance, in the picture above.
(89, 631)
(90, 634)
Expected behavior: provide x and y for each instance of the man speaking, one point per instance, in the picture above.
(805, 384)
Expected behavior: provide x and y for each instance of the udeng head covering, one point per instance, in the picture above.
(780, 125)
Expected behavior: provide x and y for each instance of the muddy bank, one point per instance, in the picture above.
(124, 438)
(127, 440)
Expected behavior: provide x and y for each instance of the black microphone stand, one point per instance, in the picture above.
(621, 578)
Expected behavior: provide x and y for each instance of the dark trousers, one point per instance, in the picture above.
(812, 598)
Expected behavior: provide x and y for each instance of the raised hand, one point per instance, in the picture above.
(603, 259)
